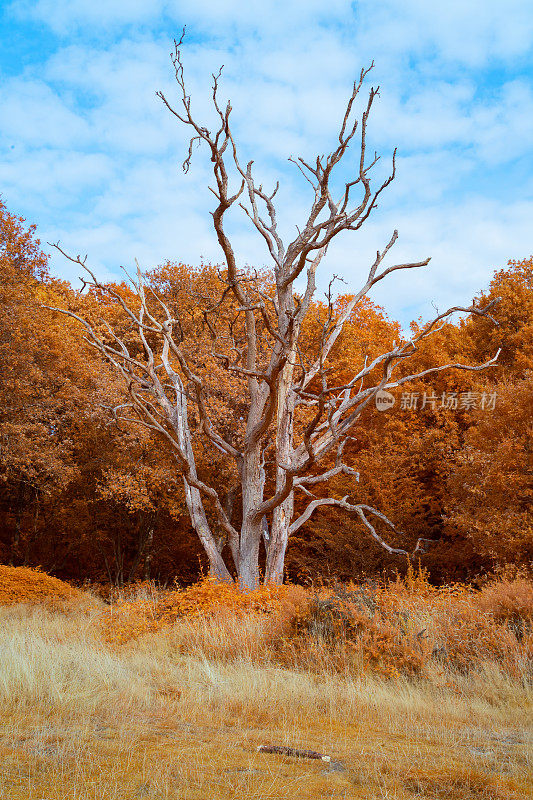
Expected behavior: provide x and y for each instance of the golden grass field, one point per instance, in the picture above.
(177, 709)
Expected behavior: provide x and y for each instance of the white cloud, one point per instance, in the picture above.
(503, 130)
(54, 179)
(466, 242)
(469, 33)
(63, 16)
(93, 156)
(216, 16)
(33, 113)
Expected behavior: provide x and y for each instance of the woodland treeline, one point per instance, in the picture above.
(89, 498)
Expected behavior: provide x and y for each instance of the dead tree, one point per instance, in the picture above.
(162, 385)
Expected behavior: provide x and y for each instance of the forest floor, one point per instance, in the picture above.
(82, 717)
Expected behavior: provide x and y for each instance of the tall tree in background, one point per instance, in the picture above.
(489, 495)
(34, 457)
(295, 421)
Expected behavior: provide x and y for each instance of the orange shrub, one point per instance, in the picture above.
(152, 611)
(468, 638)
(394, 628)
(25, 585)
(406, 625)
(509, 601)
(211, 597)
(346, 628)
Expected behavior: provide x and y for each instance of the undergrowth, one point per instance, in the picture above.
(414, 691)
(405, 627)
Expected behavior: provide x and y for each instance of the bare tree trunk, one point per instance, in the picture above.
(145, 533)
(217, 568)
(229, 507)
(282, 514)
(195, 506)
(253, 483)
(118, 555)
(20, 507)
(147, 561)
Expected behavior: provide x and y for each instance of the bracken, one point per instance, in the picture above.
(25, 585)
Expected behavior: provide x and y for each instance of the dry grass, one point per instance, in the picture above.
(398, 629)
(178, 710)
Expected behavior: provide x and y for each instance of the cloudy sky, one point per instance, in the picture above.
(88, 152)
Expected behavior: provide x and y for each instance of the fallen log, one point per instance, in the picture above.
(291, 751)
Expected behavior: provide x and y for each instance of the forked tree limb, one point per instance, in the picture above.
(360, 509)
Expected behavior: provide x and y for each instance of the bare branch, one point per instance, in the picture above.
(359, 509)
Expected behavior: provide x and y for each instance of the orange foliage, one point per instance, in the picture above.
(509, 601)
(25, 585)
(464, 630)
(151, 610)
(404, 627)
(459, 477)
(400, 627)
(346, 627)
(490, 491)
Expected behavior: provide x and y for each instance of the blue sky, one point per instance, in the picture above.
(90, 155)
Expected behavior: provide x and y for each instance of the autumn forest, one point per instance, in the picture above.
(89, 496)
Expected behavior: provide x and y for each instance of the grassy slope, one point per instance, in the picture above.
(82, 720)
